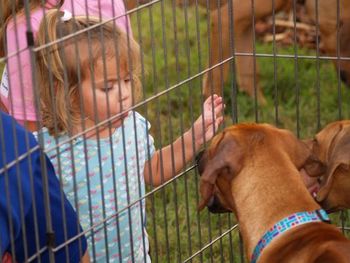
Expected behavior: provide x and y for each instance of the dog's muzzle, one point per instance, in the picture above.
(214, 206)
(344, 78)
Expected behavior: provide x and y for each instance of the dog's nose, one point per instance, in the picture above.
(214, 206)
(344, 78)
(198, 161)
(199, 156)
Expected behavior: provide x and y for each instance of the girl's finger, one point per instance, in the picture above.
(213, 100)
(210, 116)
(216, 101)
(219, 108)
(218, 121)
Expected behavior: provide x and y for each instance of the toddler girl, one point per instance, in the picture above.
(16, 90)
(99, 145)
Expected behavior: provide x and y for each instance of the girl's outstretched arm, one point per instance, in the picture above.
(202, 130)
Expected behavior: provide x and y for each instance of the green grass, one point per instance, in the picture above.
(174, 53)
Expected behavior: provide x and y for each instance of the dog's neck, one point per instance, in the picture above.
(264, 195)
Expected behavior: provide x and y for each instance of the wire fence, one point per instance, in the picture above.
(102, 106)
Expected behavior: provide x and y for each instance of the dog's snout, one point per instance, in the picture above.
(344, 78)
(199, 162)
(199, 156)
(214, 206)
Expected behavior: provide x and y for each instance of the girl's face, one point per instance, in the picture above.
(106, 94)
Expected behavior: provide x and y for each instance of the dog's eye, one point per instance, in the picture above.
(320, 180)
(315, 145)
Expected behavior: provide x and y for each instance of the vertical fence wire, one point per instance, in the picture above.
(143, 73)
(296, 68)
(275, 62)
(338, 60)
(222, 68)
(48, 216)
(233, 88)
(200, 67)
(317, 61)
(233, 96)
(176, 53)
(254, 62)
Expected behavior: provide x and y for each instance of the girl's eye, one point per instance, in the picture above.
(108, 88)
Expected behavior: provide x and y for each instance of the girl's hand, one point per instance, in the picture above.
(207, 124)
(181, 151)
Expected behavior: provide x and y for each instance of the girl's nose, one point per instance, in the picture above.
(124, 92)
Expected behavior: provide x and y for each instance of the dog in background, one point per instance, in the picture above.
(131, 4)
(332, 147)
(253, 171)
(211, 5)
(242, 18)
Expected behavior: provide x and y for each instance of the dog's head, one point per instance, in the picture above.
(236, 148)
(332, 146)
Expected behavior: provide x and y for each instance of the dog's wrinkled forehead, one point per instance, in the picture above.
(253, 134)
(266, 137)
(250, 136)
(329, 137)
(247, 134)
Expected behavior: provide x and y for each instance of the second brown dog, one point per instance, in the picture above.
(332, 146)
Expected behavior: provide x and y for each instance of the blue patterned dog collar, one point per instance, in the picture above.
(285, 224)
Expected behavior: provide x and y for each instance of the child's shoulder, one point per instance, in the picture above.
(140, 120)
(135, 121)
(50, 143)
(42, 134)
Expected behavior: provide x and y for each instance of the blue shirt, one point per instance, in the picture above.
(23, 200)
(101, 179)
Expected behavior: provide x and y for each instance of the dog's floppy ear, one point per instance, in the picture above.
(325, 140)
(338, 161)
(226, 155)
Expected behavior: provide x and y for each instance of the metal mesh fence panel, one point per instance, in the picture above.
(111, 90)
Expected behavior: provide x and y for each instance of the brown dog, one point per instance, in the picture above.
(242, 20)
(332, 146)
(253, 170)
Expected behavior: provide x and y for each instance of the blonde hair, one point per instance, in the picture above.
(66, 64)
(15, 7)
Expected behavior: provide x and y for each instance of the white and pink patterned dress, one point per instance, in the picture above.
(101, 177)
